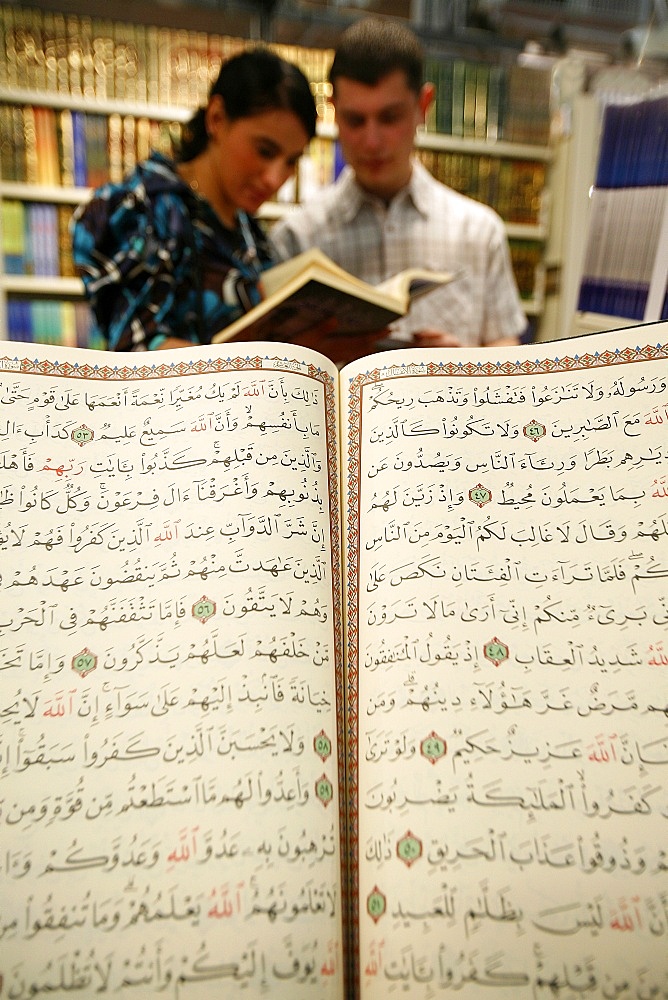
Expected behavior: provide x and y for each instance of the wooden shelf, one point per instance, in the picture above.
(30, 284)
(95, 106)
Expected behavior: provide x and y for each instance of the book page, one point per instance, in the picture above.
(508, 687)
(170, 592)
(415, 282)
(274, 278)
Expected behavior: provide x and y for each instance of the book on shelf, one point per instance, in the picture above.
(495, 103)
(48, 53)
(623, 270)
(528, 104)
(309, 289)
(13, 236)
(481, 98)
(49, 321)
(335, 684)
(470, 85)
(65, 143)
(458, 96)
(47, 153)
(79, 149)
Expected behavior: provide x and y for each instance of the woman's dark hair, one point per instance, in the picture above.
(255, 81)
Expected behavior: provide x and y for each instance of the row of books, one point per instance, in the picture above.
(92, 57)
(634, 144)
(629, 204)
(527, 260)
(45, 146)
(36, 239)
(514, 188)
(50, 321)
(622, 245)
(479, 101)
(99, 58)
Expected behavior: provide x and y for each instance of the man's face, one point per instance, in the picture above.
(377, 129)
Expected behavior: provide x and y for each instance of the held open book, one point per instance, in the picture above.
(295, 711)
(303, 292)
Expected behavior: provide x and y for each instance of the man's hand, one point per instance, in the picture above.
(438, 338)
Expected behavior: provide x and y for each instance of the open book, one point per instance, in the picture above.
(330, 685)
(303, 292)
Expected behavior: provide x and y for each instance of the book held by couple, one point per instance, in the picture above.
(335, 685)
(309, 289)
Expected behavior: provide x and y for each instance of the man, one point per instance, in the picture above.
(386, 212)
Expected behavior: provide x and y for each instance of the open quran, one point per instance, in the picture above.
(326, 685)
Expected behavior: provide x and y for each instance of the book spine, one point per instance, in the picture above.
(66, 147)
(13, 320)
(19, 142)
(470, 81)
(103, 58)
(179, 69)
(129, 143)
(51, 239)
(86, 334)
(7, 48)
(74, 55)
(199, 87)
(79, 148)
(445, 86)
(481, 96)
(458, 87)
(152, 65)
(65, 263)
(35, 240)
(143, 138)
(20, 59)
(62, 68)
(87, 58)
(431, 69)
(526, 259)
(33, 46)
(50, 52)
(13, 237)
(30, 145)
(47, 151)
(493, 103)
(65, 320)
(115, 129)
(8, 165)
(97, 157)
(121, 63)
(141, 62)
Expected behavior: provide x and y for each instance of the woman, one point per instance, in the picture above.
(172, 254)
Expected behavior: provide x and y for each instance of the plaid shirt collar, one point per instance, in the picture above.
(351, 197)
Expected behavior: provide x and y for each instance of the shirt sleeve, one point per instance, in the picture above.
(139, 269)
(284, 240)
(504, 316)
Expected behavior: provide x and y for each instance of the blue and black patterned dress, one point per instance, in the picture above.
(157, 262)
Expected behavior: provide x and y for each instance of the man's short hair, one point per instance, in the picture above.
(372, 48)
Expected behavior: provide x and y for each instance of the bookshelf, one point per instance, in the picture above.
(136, 86)
(625, 264)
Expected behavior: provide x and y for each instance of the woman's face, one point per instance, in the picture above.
(250, 158)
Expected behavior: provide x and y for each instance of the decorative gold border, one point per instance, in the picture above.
(124, 373)
(452, 370)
